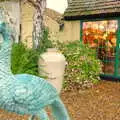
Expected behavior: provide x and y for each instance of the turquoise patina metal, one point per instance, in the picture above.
(24, 93)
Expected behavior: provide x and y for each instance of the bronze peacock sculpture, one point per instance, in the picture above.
(24, 93)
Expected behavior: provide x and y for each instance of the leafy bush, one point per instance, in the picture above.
(45, 42)
(24, 60)
(83, 66)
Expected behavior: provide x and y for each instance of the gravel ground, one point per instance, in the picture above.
(102, 102)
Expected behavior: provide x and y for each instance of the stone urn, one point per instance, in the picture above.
(53, 64)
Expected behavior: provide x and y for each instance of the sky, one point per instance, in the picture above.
(58, 5)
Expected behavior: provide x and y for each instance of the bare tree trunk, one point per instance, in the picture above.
(38, 22)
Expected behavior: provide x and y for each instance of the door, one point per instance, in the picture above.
(117, 58)
(102, 36)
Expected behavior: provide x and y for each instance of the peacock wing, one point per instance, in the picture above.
(35, 94)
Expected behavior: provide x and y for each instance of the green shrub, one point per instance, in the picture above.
(45, 42)
(83, 66)
(24, 60)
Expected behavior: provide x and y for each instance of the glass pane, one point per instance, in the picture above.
(101, 35)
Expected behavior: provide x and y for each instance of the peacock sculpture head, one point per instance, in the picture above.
(7, 31)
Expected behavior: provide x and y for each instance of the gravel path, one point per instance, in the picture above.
(102, 102)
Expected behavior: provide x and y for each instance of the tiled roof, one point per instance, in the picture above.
(82, 8)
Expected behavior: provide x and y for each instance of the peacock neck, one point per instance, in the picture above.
(5, 75)
(5, 56)
(5, 64)
(5, 52)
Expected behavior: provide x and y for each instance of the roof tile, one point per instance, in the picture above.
(92, 7)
